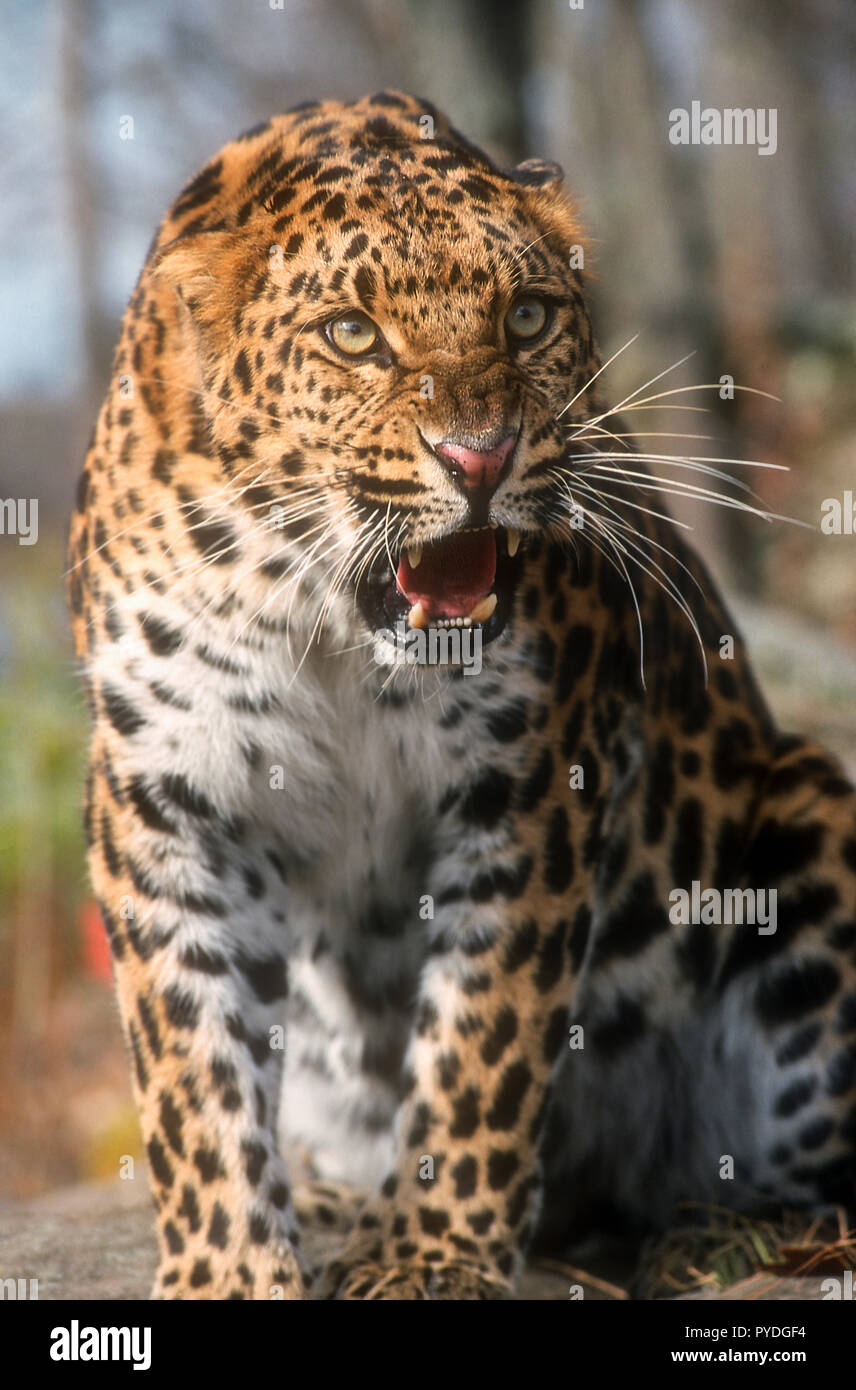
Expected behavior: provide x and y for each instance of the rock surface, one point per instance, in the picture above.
(96, 1242)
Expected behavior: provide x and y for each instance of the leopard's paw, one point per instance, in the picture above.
(453, 1279)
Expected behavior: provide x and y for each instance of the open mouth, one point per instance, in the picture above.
(466, 579)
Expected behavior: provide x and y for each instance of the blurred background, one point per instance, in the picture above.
(745, 260)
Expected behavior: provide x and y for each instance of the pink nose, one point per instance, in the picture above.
(477, 467)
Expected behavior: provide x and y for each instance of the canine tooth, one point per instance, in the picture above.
(417, 617)
(414, 556)
(483, 609)
(512, 540)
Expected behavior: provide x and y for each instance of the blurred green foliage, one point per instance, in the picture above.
(42, 745)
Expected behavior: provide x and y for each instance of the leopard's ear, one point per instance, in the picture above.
(538, 173)
(196, 264)
(206, 271)
(553, 209)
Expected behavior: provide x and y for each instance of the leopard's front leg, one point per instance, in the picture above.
(201, 977)
(453, 1219)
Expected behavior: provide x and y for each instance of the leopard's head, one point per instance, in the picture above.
(388, 332)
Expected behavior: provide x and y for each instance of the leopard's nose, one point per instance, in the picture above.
(475, 462)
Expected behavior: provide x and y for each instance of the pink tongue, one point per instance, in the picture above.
(452, 575)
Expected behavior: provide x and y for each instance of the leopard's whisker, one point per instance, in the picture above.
(668, 586)
(146, 520)
(643, 405)
(637, 506)
(596, 461)
(592, 379)
(297, 509)
(652, 434)
(593, 440)
(372, 553)
(376, 536)
(292, 577)
(622, 569)
(685, 460)
(614, 410)
(392, 564)
(640, 536)
(340, 570)
(648, 401)
(636, 540)
(678, 488)
(243, 576)
(343, 573)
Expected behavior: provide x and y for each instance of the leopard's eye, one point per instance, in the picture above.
(526, 318)
(353, 333)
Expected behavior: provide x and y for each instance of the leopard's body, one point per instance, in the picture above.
(399, 866)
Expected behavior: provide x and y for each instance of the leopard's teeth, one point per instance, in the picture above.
(414, 556)
(417, 617)
(483, 609)
(512, 540)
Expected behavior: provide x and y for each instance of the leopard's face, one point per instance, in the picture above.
(389, 336)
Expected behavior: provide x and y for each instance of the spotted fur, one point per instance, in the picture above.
(391, 863)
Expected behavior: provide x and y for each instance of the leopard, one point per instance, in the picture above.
(403, 924)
